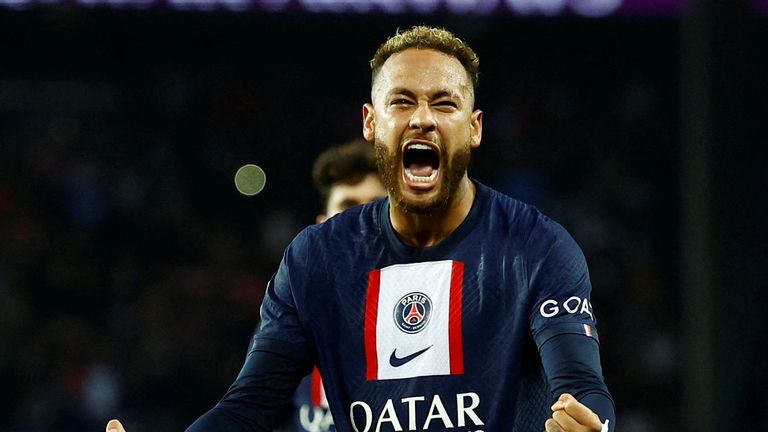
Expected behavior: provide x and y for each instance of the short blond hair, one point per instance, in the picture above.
(426, 37)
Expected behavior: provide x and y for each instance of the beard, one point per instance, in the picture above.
(452, 171)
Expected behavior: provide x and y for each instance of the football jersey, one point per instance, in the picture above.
(311, 412)
(439, 338)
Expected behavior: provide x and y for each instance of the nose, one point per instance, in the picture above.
(422, 118)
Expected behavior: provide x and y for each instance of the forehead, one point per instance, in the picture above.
(423, 70)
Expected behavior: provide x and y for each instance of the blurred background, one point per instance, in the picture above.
(131, 269)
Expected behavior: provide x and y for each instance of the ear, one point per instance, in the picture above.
(369, 123)
(321, 218)
(476, 126)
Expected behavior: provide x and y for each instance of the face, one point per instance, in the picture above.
(343, 196)
(423, 124)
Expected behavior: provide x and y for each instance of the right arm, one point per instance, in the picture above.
(280, 355)
(258, 401)
(260, 398)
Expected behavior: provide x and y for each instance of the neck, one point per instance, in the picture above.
(424, 230)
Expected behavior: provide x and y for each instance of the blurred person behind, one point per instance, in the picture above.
(345, 176)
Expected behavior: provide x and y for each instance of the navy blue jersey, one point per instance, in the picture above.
(437, 338)
(311, 412)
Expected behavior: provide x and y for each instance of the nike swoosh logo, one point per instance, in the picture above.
(396, 361)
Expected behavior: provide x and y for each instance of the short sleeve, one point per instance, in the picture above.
(560, 286)
(280, 330)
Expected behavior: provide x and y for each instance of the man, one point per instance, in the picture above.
(422, 310)
(345, 176)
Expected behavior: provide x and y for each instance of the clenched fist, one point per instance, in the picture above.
(570, 415)
(115, 426)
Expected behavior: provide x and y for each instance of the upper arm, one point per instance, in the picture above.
(281, 329)
(279, 356)
(560, 287)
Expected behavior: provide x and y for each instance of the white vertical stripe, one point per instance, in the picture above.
(434, 280)
(323, 397)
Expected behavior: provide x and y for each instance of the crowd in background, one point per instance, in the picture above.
(131, 270)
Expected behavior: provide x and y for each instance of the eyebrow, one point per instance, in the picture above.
(409, 93)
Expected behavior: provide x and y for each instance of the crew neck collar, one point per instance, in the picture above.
(440, 249)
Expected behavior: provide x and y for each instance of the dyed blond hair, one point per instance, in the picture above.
(425, 37)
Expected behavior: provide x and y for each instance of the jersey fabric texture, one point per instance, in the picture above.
(442, 338)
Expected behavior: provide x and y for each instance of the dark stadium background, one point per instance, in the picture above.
(131, 270)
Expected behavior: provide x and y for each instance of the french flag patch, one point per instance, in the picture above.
(587, 330)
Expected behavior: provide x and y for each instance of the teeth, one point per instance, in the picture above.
(421, 179)
(417, 146)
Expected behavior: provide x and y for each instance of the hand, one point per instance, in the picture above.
(570, 415)
(115, 426)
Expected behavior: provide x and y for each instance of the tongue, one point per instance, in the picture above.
(421, 170)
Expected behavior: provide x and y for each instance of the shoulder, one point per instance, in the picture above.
(339, 241)
(346, 226)
(353, 221)
(526, 220)
(536, 231)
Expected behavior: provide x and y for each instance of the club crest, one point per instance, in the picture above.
(412, 312)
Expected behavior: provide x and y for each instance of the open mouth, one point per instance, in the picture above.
(421, 162)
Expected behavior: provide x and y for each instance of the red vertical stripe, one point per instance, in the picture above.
(455, 339)
(371, 315)
(316, 388)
